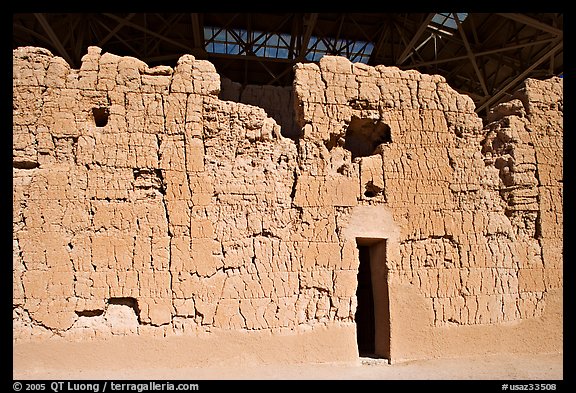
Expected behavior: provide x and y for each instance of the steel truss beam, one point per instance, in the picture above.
(405, 54)
(479, 54)
(113, 32)
(471, 54)
(533, 22)
(53, 37)
(148, 31)
(520, 77)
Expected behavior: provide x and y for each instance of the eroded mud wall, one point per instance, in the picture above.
(277, 101)
(475, 235)
(144, 205)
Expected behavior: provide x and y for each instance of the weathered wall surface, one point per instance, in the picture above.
(144, 205)
(277, 101)
(476, 217)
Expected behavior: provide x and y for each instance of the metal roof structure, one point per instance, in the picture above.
(484, 55)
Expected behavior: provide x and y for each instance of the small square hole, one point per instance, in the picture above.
(100, 116)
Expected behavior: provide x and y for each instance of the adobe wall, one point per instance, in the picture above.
(277, 101)
(474, 227)
(146, 206)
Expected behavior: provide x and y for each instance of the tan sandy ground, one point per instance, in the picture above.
(505, 367)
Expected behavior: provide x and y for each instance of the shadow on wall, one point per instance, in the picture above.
(364, 135)
(277, 101)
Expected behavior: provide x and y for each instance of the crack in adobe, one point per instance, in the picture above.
(294, 185)
(34, 322)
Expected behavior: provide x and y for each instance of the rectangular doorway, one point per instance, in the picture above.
(373, 309)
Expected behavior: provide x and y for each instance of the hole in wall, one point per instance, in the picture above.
(371, 190)
(123, 313)
(89, 313)
(126, 301)
(369, 194)
(146, 178)
(24, 164)
(100, 115)
(363, 136)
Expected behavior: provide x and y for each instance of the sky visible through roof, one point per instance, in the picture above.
(447, 19)
(277, 45)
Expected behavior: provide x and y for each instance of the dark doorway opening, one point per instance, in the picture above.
(365, 308)
(372, 312)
